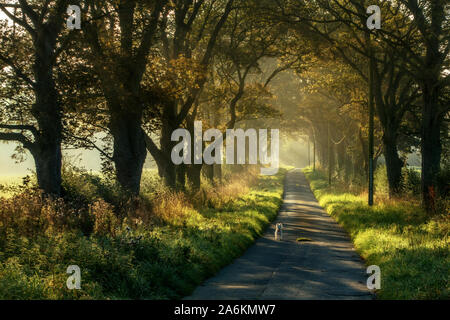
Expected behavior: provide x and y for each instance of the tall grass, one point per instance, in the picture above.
(157, 246)
(411, 248)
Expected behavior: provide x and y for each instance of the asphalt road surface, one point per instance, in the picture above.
(327, 267)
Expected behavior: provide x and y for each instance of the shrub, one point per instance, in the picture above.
(219, 196)
(171, 207)
(30, 214)
(412, 183)
(105, 220)
(443, 182)
(381, 182)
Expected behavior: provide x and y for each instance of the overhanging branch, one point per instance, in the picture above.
(18, 137)
(30, 128)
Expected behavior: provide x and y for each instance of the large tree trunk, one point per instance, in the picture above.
(433, 31)
(393, 162)
(181, 176)
(341, 156)
(347, 167)
(331, 161)
(129, 148)
(168, 126)
(322, 150)
(47, 158)
(314, 154)
(46, 110)
(194, 170)
(194, 175)
(390, 117)
(168, 169)
(218, 172)
(431, 145)
(172, 175)
(209, 171)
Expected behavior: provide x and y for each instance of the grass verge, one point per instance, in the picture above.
(411, 249)
(160, 261)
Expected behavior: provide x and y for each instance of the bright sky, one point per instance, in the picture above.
(8, 166)
(3, 16)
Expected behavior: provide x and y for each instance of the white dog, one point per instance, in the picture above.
(279, 231)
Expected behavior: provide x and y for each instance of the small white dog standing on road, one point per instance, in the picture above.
(279, 231)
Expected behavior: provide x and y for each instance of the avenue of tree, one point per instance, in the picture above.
(138, 70)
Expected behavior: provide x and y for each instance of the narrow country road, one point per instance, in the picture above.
(327, 267)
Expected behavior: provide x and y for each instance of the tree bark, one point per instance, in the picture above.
(166, 169)
(181, 177)
(341, 156)
(218, 172)
(46, 149)
(430, 23)
(364, 152)
(194, 175)
(393, 161)
(129, 149)
(47, 158)
(430, 144)
(194, 170)
(209, 171)
(168, 126)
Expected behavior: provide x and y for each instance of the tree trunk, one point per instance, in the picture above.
(47, 158)
(169, 169)
(172, 175)
(194, 170)
(330, 156)
(341, 156)
(194, 175)
(431, 145)
(218, 172)
(322, 150)
(314, 154)
(46, 149)
(129, 148)
(181, 176)
(168, 126)
(209, 172)
(364, 152)
(393, 162)
(347, 167)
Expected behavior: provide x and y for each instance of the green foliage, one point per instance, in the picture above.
(131, 257)
(412, 183)
(381, 182)
(411, 248)
(443, 181)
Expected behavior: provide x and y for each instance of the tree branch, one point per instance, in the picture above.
(30, 128)
(18, 137)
